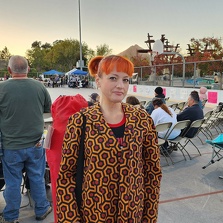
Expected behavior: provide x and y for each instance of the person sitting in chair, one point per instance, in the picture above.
(158, 94)
(193, 112)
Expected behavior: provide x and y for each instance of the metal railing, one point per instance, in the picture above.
(188, 74)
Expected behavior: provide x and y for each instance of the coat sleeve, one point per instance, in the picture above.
(152, 174)
(67, 209)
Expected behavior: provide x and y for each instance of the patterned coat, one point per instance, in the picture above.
(121, 183)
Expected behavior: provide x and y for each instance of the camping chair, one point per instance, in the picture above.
(174, 106)
(162, 127)
(181, 125)
(217, 148)
(194, 125)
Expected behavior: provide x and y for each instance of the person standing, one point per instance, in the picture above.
(122, 173)
(22, 104)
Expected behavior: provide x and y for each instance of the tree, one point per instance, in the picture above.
(65, 53)
(46, 46)
(35, 57)
(62, 55)
(208, 48)
(36, 44)
(5, 54)
(103, 50)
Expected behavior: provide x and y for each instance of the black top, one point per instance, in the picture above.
(192, 113)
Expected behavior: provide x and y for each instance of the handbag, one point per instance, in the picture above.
(80, 166)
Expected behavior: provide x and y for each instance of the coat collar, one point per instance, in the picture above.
(94, 116)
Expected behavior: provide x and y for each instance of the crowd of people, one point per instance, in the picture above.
(104, 175)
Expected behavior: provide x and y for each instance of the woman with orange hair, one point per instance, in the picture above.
(122, 173)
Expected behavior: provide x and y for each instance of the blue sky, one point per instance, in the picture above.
(118, 23)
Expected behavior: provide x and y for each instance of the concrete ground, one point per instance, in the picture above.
(189, 194)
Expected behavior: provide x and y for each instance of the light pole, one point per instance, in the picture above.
(79, 10)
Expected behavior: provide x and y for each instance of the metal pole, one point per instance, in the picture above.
(183, 68)
(79, 5)
(171, 77)
(141, 73)
(195, 76)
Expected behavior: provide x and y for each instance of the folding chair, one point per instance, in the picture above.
(194, 125)
(181, 125)
(205, 127)
(219, 121)
(217, 148)
(163, 127)
(174, 106)
(203, 103)
(181, 106)
(214, 119)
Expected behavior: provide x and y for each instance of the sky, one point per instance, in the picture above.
(117, 23)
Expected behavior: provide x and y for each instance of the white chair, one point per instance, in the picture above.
(181, 125)
(205, 127)
(163, 127)
(194, 125)
(173, 106)
(181, 106)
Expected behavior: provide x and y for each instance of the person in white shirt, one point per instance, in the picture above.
(162, 114)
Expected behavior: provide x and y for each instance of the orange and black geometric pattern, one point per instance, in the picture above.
(121, 184)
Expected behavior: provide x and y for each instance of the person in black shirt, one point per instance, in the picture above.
(193, 112)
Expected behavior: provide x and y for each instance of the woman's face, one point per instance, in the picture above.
(114, 86)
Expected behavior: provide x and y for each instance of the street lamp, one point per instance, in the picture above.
(79, 10)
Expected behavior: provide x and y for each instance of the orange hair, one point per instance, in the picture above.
(99, 65)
